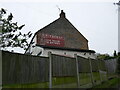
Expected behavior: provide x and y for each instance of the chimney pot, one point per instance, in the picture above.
(62, 14)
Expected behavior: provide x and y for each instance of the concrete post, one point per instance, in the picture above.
(119, 28)
(50, 70)
(91, 74)
(77, 69)
(106, 70)
(99, 71)
(0, 70)
(113, 65)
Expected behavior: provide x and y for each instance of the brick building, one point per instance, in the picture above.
(60, 37)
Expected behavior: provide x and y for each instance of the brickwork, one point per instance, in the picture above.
(62, 27)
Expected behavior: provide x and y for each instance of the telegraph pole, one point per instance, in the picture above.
(118, 4)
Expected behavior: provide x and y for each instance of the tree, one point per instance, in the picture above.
(10, 32)
(103, 56)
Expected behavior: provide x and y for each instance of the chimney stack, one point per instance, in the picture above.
(62, 14)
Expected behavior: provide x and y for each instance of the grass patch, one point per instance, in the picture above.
(96, 76)
(85, 78)
(109, 84)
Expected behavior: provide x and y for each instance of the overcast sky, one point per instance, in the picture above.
(96, 20)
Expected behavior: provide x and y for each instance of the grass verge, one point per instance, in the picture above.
(109, 84)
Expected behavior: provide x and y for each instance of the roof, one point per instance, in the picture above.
(68, 49)
(62, 23)
(63, 27)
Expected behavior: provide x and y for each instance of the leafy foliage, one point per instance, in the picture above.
(103, 56)
(10, 32)
(107, 56)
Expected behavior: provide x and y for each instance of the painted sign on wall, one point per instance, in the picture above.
(50, 40)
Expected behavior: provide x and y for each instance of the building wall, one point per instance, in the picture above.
(72, 37)
(37, 49)
(70, 40)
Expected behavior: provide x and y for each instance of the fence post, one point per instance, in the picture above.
(99, 71)
(0, 69)
(92, 80)
(106, 66)
(77, 69)
(50, 70)
(113, 65)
